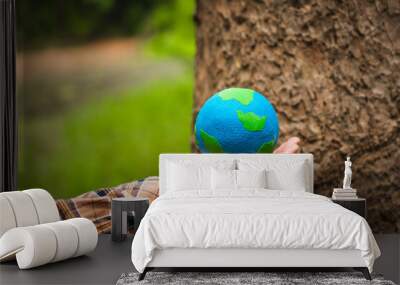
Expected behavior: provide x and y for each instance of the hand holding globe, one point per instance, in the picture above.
(290, 146)
(239, 120)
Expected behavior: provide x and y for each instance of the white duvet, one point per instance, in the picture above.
(250, 219)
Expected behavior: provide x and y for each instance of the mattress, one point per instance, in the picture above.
(250, 219)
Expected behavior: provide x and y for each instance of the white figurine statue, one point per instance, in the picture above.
(347, 174)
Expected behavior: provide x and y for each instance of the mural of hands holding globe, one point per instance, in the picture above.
(239, 120)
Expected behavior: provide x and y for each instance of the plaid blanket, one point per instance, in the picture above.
(96, 205)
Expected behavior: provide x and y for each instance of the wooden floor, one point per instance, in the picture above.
(110, 260)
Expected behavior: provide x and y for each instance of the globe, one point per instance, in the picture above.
(237, 120)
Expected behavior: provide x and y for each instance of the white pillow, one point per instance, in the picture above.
(226, 179)
(251, 178)
(188, 177)
(281, 175)
(291, 180)
(223, 179)
(204, 162)
(186, 174)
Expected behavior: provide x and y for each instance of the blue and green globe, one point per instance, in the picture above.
(237, 120)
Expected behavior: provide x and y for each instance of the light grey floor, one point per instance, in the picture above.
(110, 260)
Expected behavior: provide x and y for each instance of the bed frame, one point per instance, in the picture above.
(242, 259)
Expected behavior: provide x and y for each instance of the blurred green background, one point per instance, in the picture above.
(104, 87)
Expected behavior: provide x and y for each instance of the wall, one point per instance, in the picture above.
(332, 69)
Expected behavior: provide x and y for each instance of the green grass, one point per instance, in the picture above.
(110, 140)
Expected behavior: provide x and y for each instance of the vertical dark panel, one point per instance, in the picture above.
(8, 119)
(116, 220)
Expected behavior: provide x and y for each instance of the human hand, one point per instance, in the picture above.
(290, 146)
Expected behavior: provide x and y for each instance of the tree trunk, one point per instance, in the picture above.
(331, 69)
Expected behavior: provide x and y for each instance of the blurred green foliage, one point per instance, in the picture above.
(59, 22)
(171, 23)
(115, 137)
(112, 140)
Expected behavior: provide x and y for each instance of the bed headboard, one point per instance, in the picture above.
(306, 157)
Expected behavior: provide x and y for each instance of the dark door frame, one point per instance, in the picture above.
(8, 115)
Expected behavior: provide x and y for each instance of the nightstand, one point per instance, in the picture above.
(358, 206)
(121, 208)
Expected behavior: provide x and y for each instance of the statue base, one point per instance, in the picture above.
(342, 194)
(345, 190)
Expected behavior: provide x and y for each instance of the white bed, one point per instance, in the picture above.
(248, 227)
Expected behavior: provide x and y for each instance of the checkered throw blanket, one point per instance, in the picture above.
(96, 205)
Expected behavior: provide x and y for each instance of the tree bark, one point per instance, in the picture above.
(331, 69)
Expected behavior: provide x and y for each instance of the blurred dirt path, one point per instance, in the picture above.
(54, 79)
